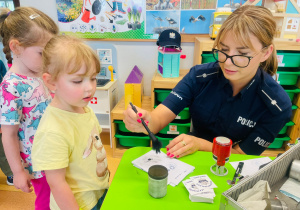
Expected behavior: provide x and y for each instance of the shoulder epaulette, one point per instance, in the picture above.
(271, 96)
(206, 72)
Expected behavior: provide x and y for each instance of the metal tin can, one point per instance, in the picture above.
(157, 181)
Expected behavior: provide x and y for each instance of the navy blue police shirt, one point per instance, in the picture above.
(252, 118)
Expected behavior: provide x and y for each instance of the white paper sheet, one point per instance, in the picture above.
(201, 188)
(251, 166)
(291, 188)
(177, 169)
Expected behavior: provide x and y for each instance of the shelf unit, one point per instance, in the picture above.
(286, 17)
(205, 44)
(158, 82)
(117, 114)
(104, 100)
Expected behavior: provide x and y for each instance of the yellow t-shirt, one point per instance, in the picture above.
(72, 141)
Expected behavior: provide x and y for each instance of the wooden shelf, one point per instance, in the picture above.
(104, 100)
(164, 83)
(272, 152)
(206, 44)
(117, 114)
(277, 14)
(184, 38)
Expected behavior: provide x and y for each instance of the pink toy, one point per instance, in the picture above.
(169, 61)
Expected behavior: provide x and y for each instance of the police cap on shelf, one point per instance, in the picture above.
(169, 38)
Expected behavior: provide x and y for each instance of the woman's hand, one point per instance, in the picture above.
(22, 181)
(132, 120)
(183, 145)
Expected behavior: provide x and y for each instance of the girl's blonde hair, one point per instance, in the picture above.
(28, 25)
(67, 54)
(255, 20)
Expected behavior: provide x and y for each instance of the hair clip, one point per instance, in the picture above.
(8, 13)
(33, 16)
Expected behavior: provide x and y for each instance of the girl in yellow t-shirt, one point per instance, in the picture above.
(67, 143)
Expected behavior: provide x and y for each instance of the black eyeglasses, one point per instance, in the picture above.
(241, 61)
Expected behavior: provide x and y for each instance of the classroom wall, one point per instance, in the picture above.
(129, 54)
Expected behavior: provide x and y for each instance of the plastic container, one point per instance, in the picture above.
(157, 181)
(161, 94)
(283, 130)
(176, 128)
(207, 57)
(278, 142)
(133, 141)
(121, 126)
(288, 58)
(287, 76)
(291, 95)
(183, 115)
(164, 140)
(291, 90)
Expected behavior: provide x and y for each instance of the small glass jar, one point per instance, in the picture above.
(157, 181)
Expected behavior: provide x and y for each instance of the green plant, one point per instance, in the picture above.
(139, 12)
(129, 13)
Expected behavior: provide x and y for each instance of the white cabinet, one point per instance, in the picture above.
(104, 100)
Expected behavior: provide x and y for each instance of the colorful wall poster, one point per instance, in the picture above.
(184, 16)
(105, 56)
(137, 19)
(158, 21)
(195, 21)
(121, 19)
(292, 24)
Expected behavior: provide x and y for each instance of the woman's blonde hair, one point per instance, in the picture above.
(67, 54)
(28, 25)
(255, 20)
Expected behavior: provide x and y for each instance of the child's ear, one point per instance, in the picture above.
(15, 47)
(48, 80)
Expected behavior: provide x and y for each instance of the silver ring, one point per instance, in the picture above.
(183, 143)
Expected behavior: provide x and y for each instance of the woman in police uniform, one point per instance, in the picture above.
(235, 97)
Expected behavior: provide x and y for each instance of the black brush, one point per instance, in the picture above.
(156, 144)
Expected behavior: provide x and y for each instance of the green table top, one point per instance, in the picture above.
(129, 188)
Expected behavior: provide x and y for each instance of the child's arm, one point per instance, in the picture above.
(60, 189)
(12, 151)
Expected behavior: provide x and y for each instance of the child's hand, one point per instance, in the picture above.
(22, 181)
